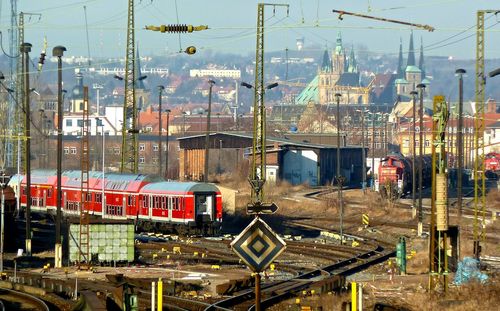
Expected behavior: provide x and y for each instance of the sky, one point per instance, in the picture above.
(232, 25)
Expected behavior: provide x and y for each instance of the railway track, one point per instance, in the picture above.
(14, 300)
(276, 292)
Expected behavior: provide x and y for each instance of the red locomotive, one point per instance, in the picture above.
(492, 164)
(395, 174)
(154, 204)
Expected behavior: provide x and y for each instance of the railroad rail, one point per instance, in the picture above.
(8, 296)
(278, 291)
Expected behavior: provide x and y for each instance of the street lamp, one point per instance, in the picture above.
(166, 157)
(421, 88)
(58, 52)
(103, 201)
(3, 184)
(339, 176)
(160, 90)
(363, 152)
(493, 73)
(414, 153)
(25, 49)
(460, 72)
(207, 135)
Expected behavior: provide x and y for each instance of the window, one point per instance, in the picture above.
(427, 143)
(142, 147)
(89, 197)
(116, 151)
(69, 122)
(406, 143)
(79, 123)
(49, 193)
(131, 200)
(66, 150)
(155, 147)
(142, 160)
(98, 197)
(149, 129)
(155, 160)
(73, 150)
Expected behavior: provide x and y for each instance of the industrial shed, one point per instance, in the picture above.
(294, 162)
(316, 165)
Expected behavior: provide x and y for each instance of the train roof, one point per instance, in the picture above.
(179, 187)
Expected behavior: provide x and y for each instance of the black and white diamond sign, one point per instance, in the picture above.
(258, 245)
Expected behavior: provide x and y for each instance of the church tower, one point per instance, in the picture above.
(338, 58)
(141, 93)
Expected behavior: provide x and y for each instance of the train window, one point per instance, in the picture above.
(49, 193)
(89, 197)
(145, 201)
(164, 203)
(156, 202)
(98, 197)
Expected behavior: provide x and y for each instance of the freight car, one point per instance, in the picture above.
(395, 174)
(492, 165)
(152, 203)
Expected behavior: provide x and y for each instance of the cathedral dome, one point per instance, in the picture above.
(413, 69)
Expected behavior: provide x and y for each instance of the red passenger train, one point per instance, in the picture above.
(154, 204)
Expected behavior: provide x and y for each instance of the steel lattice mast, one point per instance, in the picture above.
(84, 237)
(129, 130)
(13, 50)
(259, 113)
(258, 169)
(479, 177)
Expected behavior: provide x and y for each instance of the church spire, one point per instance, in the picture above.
(353, 66)
(339, 50)
(411, 52)
(421, 64)
(139, 83)
(326, 65)
(400, 72)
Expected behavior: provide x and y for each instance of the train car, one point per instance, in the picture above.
(395, 174)
(187, 206)
(492, 165)
(173, 207)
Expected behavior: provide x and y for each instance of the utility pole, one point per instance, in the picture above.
(3, 184)
(460, 73)
(25, 49)
(129, 129)
(339, 175)
(160, 90)
(421, 88)
(373, 150)
(363, 151)
(207, 135)
(414, 156)
(167, 153)
(58, 52)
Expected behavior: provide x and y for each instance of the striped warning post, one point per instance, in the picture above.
(366, 220)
